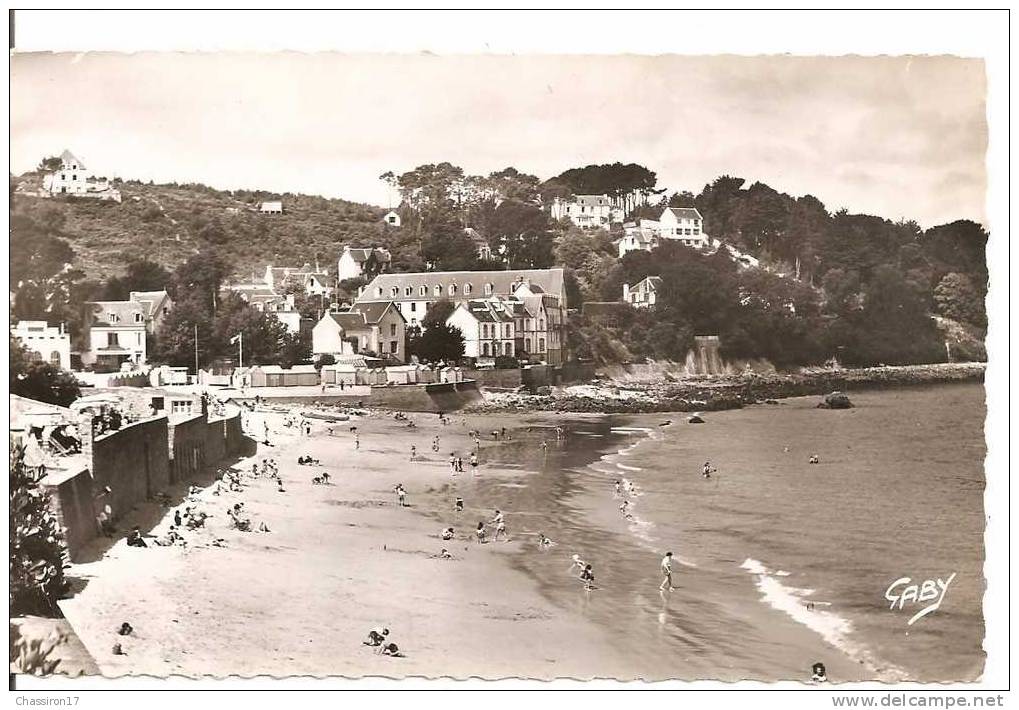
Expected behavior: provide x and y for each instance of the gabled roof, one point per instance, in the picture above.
(592, 200)
(348, 320)
(360, 255)
(653, 282)
(150, 299)
(373, 312)
(685, 212)
(486, 312)
(503, 283)
(124, 310)
(69, 158)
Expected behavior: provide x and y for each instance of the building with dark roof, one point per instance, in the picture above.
(374, 329)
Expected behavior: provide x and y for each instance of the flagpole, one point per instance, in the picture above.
(240, 342)
(196, 350)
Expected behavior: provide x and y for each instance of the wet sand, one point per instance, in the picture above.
(344, 558)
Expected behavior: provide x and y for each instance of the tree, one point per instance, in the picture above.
(48, 165)
(438, 312)
(175, 339)
(444, 244)
(36, 566)
(957, 298)
(30, 377)
(522, 231)
(201, 276)
(439, 342)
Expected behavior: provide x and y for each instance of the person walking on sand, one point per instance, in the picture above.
(474, 463)
(401, 494)
(452, 463)
(357, 442)
(413, 452)
(667, 572)
(707, 470)
(543, 446)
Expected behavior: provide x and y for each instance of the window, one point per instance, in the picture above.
(139, 318)
(394, 291)
(392, 346)
(111, 340)
(485, 350)
(489, 288)
(138, 339)
(392, 328)
(507, 349)
(452, 289)
(55, 358)
(114, 318)
(423, 291)
(437, 291)
(407, 291)
(527, 345)
(467, 289)
(378, 291)
(541, 345)
(413, 306)
(484, 330)
(507, 331)
(541, 324)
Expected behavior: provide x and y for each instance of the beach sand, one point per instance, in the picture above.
(344, 558)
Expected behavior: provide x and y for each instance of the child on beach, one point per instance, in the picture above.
(413, 452)
(376, 636)
(587, 577)
(707, 471)
(447, 534)
(500, 530)
(474, 463)
(390, 649)
(667, 571)
(458, 506)
(480, 532)
(401, 494)
(818, 674)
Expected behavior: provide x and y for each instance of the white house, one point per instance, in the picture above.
(488, 327)
(315, 281)
(271, 207)
(391, 218)
(640, 236)
(115, 334)
(481, 246)
(353, 262)
(684, 224)
(588, 211)
(644, 293)
(366, 328)
(75, 180)
(45, 343)
(157, 306)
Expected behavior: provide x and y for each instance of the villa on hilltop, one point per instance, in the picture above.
(73, 179)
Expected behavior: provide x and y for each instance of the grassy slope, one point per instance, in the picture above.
(169, 223)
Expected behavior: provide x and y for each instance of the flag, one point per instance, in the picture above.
(234, 339)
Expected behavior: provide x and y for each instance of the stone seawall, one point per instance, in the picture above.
(709, 394)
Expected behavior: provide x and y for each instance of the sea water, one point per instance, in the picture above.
(770, 542)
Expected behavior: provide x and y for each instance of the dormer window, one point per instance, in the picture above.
(423, 291)
(394, 291)
(437, 291)
(408, 291)
(452, 289)
(139, 318)
(113, 318)
(467, 289)
(489, 289)
(378, 291)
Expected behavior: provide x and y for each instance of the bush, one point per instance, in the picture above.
(36, 573)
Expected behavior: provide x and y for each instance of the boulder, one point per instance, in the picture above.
(695, 419)
(835, 400)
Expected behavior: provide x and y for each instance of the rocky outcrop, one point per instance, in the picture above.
(836, 400)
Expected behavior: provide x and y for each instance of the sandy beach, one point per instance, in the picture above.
(344, 558)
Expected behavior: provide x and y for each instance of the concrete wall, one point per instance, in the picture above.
(133, 461)
(71, 500)
(187, 448)
(508, 379)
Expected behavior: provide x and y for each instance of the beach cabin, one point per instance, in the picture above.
(344, 372)
(402, 375)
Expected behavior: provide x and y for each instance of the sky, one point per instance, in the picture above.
(899, 137)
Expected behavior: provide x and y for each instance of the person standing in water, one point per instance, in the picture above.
(667, 572)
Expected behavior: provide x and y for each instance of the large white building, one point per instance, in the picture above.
(115, 334)
(588, 211)
(46, 343)
(644, 293)
(540, 293)
(488, 327)
(73, 179)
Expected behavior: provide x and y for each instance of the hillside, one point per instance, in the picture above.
(169, 223)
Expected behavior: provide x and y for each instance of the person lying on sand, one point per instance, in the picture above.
(447, 534)
(813, 459)
(544, 542)
(444, 555)
(376, 636)
(390, 649)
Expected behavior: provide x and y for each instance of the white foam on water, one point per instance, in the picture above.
(630, 430)
(628, 468)
(830, 626)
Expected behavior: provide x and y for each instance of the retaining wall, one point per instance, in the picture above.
(133, 461)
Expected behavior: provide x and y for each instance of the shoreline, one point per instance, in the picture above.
(714, 393)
